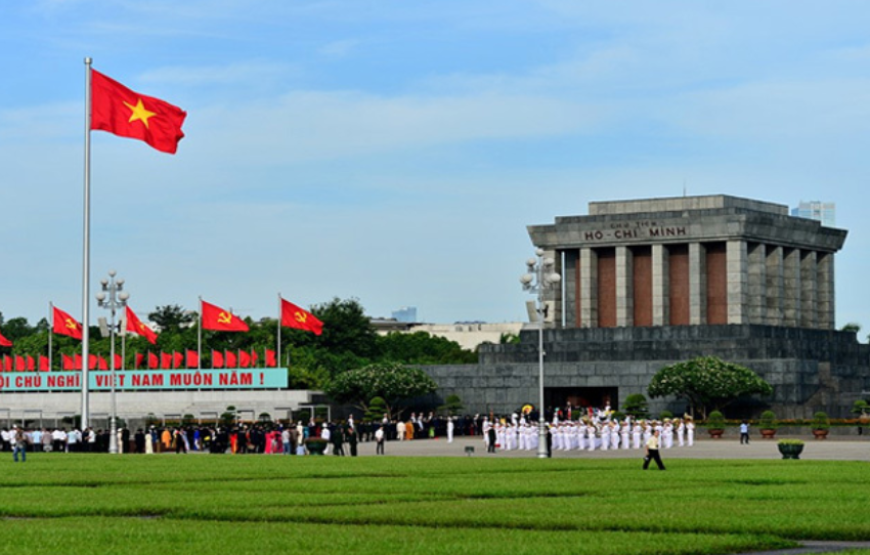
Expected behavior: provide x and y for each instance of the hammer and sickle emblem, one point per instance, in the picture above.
(224, 318)
(301, 317)
(70, 324)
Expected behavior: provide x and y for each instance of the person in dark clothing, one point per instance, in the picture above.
(139, 440)
(351, 441)
(337, 439)
(490, 434)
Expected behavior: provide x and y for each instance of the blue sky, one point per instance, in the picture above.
(395, 151)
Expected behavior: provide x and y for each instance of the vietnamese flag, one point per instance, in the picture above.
(177, 360)
(67, 362)
(232, 361)
(136, 326)
(43, 364)
(153, 363)
(244, 359)
(294, 317)
(192, 359)
(4, 342)
(217, 359)
(126, 113)
(64, 324)
(166, 361)
(218, 319)
(270, 359)
(137, 360)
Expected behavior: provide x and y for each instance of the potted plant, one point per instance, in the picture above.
(715, 424)
(821, 424)
(315, 445)
(767, 424)
(790, 448)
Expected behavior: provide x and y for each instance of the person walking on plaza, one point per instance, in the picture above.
(744, 433)
(19, 444)
(379, 440)
(652, 451)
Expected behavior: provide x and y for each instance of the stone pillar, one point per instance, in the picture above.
(624, 287)
(660, 304)
(588, 288)
(825, 279)
(809, 289)
(697, 285)
(773, 280)
(791, 287)
(572, 288)
(737, 277)
(757, 283)
(553, 296)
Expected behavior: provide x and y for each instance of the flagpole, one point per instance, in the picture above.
(199, 338)
(123, 332)
(50, 332)
(86, 256)
(279, 329)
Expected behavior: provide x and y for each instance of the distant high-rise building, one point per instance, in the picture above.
(407, 314)
(816, 210)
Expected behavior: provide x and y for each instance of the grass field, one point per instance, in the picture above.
(98, 504)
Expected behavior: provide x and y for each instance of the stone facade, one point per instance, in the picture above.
(647, 283)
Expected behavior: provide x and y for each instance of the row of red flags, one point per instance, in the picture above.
(151, 361)
(213, 318)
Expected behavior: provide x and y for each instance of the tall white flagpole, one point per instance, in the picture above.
(199, 339)
(86, 257)
(278, 360)
(50, 331)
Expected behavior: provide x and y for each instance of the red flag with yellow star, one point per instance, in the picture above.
(294, 317)
(126, 113)
(64, 324)
(136, 326)
(216, 318)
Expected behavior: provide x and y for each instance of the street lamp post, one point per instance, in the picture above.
(540, 277)
(112, 297)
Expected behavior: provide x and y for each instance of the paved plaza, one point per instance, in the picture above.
(848, 448)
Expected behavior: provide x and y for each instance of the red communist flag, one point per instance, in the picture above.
(126, 113)
(271, 362)
(31, 364)
(136, 326)
(294, 317)
(92, 362)
(137, 360)
(4, 342)
(153, 363)
(192, 359)
(166, 361)
(77, 359)
(43, 364)
(244, 359)
(119, 362)
(64, 324)
(217, 359)
(232, 361)
(177, 360)
(67, 362)
(218, 319)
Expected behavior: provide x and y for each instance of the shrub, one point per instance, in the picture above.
(715, 421)
(636, 406)
(665, 414)
(768, 420)
(821, 421)
(791, 442)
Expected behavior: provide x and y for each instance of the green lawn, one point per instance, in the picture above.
(98, 504)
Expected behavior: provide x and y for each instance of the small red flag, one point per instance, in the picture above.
(7, 363)
(192, 359)
(153, 362)
(19, 363)
(135, 325)
(43, 364)
(31, 364)
(92, 362)
(119, 362)
(166, 361)
(126, 113)
(67, 362)
(177, 360)
(64, 324)
(244, 359)
(255, 358)
(102, 363)
(271, 362)
(137, 360)
(78, 362)
(232, 360)
(294, 317)
(4, 342)
(218, 319)
(217, 359)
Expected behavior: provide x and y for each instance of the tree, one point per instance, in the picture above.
(707, 381)
(452, 405)
(635, 405)
(851, 326)
(393, 382)
(171, 317)
(422, 348)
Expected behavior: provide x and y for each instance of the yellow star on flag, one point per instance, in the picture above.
(138, 112)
